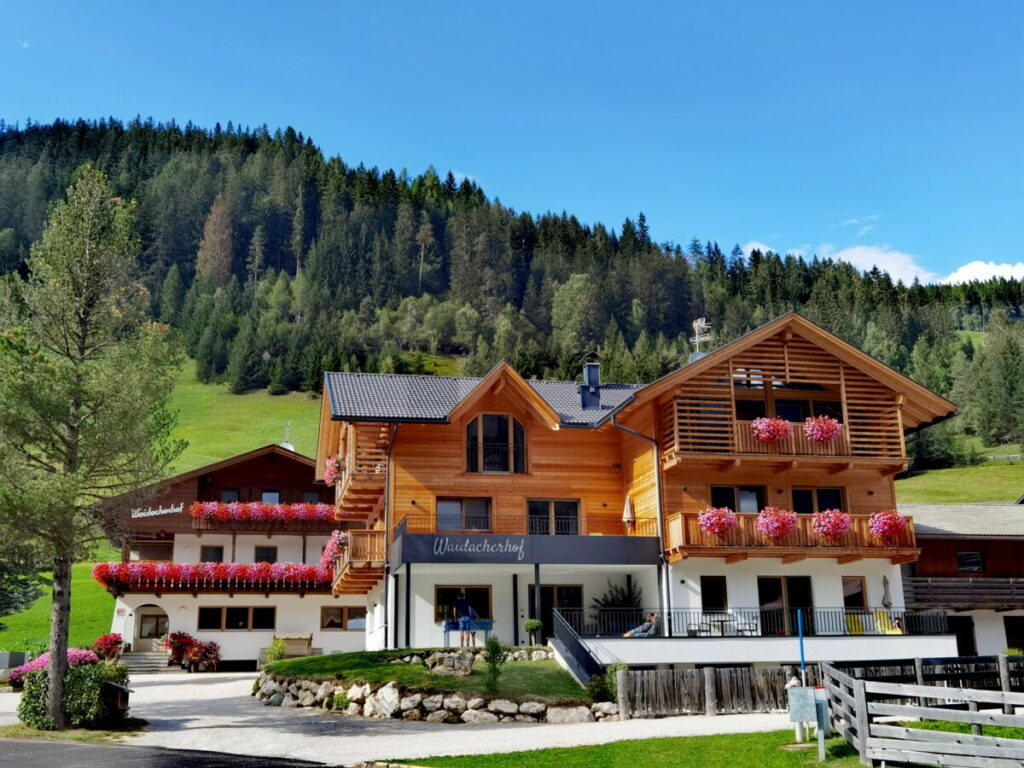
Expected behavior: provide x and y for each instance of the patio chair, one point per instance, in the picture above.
(747, 629)
(885, 624)
(854, 624)
(296, 645)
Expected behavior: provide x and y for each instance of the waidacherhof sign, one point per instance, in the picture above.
(173, 509)
(499, 548)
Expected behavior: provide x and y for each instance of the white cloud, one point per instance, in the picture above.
(755, 245)
(461, 175)
(983, 270)
(900, 265)
(865, 229)
(860, 220)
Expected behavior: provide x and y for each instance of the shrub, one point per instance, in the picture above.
(178, 643)
(495, 656)
(255, 687)
(532, 627)
(276, 650)
(108, 645)
(76, 658)
(613, 685)
(84, 702)
(1013, 652)
(597, 688)
(340, 701)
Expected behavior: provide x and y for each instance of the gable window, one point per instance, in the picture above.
(970, 562)
(265, 555)
(806, 501)
(748, 410)
(738, 498)
(311, 497)
(559, 517)
(229, 495)
(211, 554)
(271, 496)
(463, 514)
(495, 442)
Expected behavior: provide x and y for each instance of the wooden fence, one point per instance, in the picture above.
(856, 704)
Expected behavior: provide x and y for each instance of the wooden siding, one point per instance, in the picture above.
(1001, 558)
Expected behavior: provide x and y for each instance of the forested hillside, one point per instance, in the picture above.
(275, 262)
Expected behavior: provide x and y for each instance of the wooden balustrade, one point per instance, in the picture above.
(798, 444)
(523, 525)
(685, 538)
(960, 593)
(360, 562)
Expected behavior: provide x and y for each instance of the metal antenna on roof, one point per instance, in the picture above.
(288, 437)
(701, 332)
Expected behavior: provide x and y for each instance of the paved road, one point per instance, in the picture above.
(39, 753)
(215, 713)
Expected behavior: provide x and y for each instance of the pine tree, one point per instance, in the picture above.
(216, 250)
(170, 296)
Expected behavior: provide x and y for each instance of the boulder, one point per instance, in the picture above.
(434, 659)
(388, 700)
(355, 694)
(306, 699)
(455, 703)
(324, 692)
(416, 659)
(478, 716)
(455, 663)
(412, 714)
(532, 708)
(525, 719)
(520, 655)
(267, 689)
(293, 689)
(504, 707)
(539, 656)
(370, 706)
(432, 703)
(289, 702)
(579, 714)
(437, 716)
(411, 702)
(605, 708)
(354, 709)
(275, 699)
(476, 703)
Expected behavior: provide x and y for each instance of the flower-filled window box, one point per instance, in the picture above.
(822, 429)
(718, 521)
(831, 524)
(888, 524)
(771, 430)
(776, 523)
(333, 470)
(165, 574)
(258, 510)
(338, 540)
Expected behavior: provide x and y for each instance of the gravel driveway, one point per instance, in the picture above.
(214, 712)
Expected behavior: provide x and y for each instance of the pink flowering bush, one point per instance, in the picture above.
(719, 521)
(334, 544)
(771, 430)
(76, 658)
(332, 472)
(257, 510)
(822, 429)
(776, 523)
(168, 574)
(830, 523)
(888, 524)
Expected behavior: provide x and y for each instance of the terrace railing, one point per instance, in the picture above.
(524, 524)
(964, 592)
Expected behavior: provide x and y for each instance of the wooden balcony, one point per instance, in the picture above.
(523, 525)
(364, 469)
(685, 538)
(961, 594)
(360, 563)
(798, 444)
(269, 527)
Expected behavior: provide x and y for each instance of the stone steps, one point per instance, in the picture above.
(146, 662)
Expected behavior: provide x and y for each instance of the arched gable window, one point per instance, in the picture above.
(495, 442)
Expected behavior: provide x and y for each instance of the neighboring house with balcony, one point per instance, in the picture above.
(971, 566)
(531, 496)
(229, 552)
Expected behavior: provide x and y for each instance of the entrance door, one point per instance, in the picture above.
(150, 628)
(780, 597)
(963, 628)
(562, 596)
(1014, 626)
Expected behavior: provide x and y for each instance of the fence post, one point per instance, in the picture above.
(1004, 680)
(975, 727)
(623, 696)
(710, 700)
(860, 699)
(919, 678)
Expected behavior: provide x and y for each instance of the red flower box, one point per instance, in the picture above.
(771, 430)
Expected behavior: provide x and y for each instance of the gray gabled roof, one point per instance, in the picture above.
(995, 519)
(406, 398)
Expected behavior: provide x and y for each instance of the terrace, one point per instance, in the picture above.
(964, 593)
(359, 564)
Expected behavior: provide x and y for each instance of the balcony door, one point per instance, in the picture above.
(563, 596)
(780, 597)
(552, 516)
(460, 515)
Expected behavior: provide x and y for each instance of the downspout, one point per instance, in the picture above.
(663, 587)
(387, 539)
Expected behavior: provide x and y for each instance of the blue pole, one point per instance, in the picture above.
(800, 632)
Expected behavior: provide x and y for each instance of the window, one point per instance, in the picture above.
(832, 408)
(152, 550)
(229, 495)
(478, 597)
(265, 555)
(271, 496)
(793, 410)
(855, 595)
(712, 593)
(970, 562)
(554, 517)
(495, 442)
(311, 497)
(743, 498)
(211, 554)
(809, 500)
(748, 410)
(236, 618)
(346, 617)
(463, 514)
(152, 626)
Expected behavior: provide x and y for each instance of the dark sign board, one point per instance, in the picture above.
(500, 548)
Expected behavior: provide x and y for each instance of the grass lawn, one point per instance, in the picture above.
(997, 731)
(92, 609)
(544, 679)
(763, 750)
(985, 482)
(133, 726)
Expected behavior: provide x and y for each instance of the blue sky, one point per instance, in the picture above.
(879, 132)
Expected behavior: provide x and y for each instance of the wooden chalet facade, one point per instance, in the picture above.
(532, 497)
(230, 552)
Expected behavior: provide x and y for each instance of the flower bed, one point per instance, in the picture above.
(719, 521)
(257, 510)
(776, 523)
(76, 658)
(830, 523)
(771, 430)
(822, 429)
(156, 573)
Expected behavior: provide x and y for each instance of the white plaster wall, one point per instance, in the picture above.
(775, 650)
(294, 615)
(989, 630)
(375, 612)
(289, 547)
(741, 579)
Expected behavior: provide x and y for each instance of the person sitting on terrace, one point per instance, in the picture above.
(648, 629)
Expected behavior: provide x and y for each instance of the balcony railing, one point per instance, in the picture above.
(958, 593)
(798, 444)
(756, 622)
(527, 525)
(684, 533)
